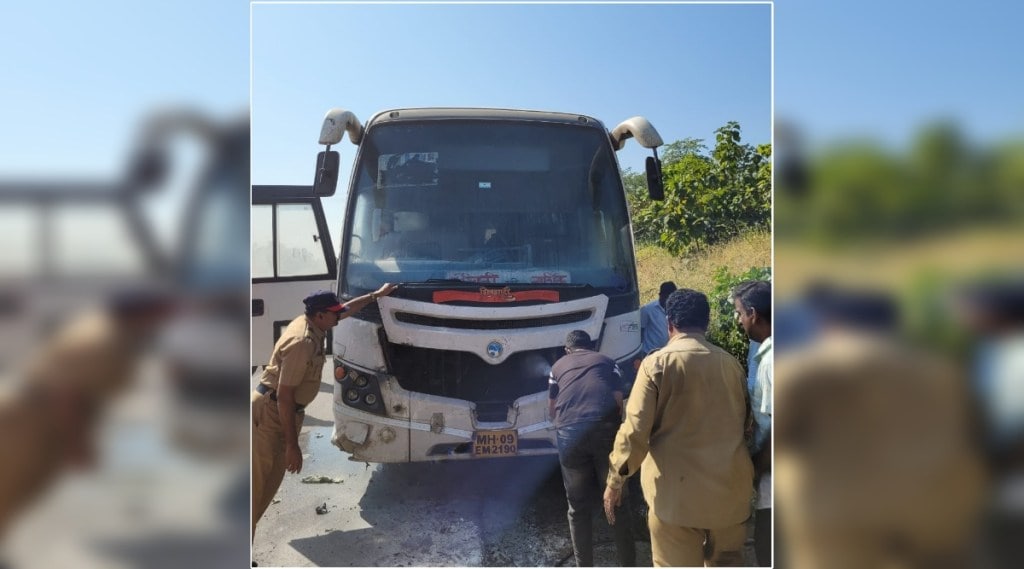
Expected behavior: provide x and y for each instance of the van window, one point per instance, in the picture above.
(286, 242)
(262, 242)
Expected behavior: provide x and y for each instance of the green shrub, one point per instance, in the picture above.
(710, 197)
(723, 330)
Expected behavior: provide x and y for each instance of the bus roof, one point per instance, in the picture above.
(445, 113)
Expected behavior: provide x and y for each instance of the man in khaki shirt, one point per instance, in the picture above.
(50, 418)
(876, 464)
(290, 382)
(684, 422)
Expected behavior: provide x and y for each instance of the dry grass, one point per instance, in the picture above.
(893, 263)
(656, 265)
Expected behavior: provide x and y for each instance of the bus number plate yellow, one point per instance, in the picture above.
(495, 443)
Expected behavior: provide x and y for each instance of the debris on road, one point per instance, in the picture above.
(322, 509)
(321, 480)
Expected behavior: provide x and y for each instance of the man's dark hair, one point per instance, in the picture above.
(857, 309)
(667, 288)
(1002, 301)
(578, 339)
(755, 295)
(688, 308)
(139, 301)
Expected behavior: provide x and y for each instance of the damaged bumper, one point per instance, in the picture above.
(423, 427)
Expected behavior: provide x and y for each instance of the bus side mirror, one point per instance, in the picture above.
(325, 183)
(655, 189)
(148, 169)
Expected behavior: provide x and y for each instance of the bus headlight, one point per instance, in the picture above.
(359, 390)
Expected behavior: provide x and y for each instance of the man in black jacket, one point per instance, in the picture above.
(585, 404)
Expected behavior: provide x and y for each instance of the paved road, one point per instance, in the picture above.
(147, 504)
(500, 512)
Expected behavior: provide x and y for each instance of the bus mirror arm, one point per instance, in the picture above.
(639, 128)
(336, 123)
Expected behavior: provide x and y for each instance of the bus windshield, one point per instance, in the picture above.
(490, 203)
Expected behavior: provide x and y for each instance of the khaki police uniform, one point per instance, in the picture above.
(47, 421)
(93, 354)
(30, 452)
(297, 361)
(874, 464)
(684, 424)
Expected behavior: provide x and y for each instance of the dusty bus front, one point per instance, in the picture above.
(506, 229)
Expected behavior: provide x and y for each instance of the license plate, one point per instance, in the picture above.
(495, 443)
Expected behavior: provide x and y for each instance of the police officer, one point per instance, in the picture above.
(875, 463)
(684, 421)
(49, 420)
(289, 383)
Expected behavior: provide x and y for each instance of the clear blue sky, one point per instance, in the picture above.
(77, 80)
(687, 68)
(879, 69)
(76, 77)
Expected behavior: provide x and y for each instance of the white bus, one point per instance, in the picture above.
(506, 229)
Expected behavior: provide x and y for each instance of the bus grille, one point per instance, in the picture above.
(469, 324)
(466, 376)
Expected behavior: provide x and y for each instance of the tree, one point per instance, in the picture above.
(675, 151)
(708, 198)
(860, 190)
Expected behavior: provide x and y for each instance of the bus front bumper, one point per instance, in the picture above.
(428, 427)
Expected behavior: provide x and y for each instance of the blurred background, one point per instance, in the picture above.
(124, 329)
(899, 274)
